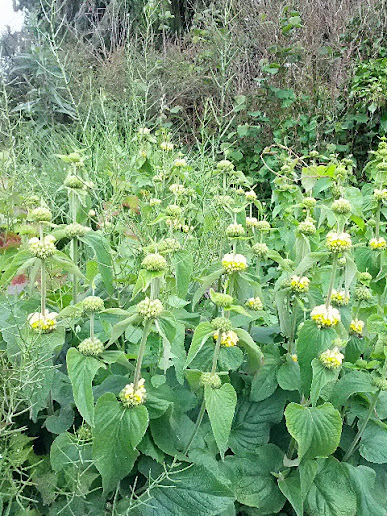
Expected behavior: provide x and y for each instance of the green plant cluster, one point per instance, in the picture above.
(143, 376)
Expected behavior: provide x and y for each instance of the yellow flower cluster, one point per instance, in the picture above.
(325, 317)
(180, 162)
(154, 202)
(250, 196)
(235, 230)
(299, 284)
(234, 263)
(177, 189)
(294, 357)
(254, 303)
(332, 358)
(339, 297)
(338, 242)
(380, 195)
(166, 146)
(378, 244)
(228, 339)
(131, 397)
(251, 222)
(42, 323)
(356, 327)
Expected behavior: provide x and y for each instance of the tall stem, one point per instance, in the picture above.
(362, 427)
(377, 221)
(216, 353)
(197, 426)
(43, 288)
(141, 353)
(74, 257)
(332, 282)
(92, 316)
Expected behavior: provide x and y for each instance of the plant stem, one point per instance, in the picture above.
(92, 316)
(293, 327)
(74, 257)
(197, 426)
(43, 288)
(362, 427)
(141, 353)
(332, 282)
(216, 353)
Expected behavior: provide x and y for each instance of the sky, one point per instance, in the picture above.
(9, 17)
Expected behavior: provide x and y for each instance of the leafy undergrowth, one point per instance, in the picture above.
(179, 348)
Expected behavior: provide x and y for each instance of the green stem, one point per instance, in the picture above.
(74, 257)
(377, 221)
(141, 353)
(197, 426)
(362, 427)
(216, 353)
(92, 317)
(293, 327)
(332, 282)
(43, 288)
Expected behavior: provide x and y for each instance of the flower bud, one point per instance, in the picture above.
(150, 309)
(254, 303)
(235, 230)
(221, 324)
(307, 227)
(40, 214)
(154, 262)
(260, 249)
(220, 299)
(93, 304)
(363, 293)
(42, 248)
(76, 230)
(91, 347)
(211, 379)
(341, 206)
(73, 182)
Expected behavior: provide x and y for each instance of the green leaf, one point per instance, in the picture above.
(101, 248)
(193, 491)
(369, 501)
(264, 382)
(220, 406)
(317, 430)
(309, 260)
(206, 283)
(81, 370)
(252, 422)
(373, 444)
(183, 265)
(331, 493)
(252, 480)
(352, 383)
(290, 487)
(253, 351)
(311, 342)
(119, 328)
(64, 451)
(203, 332)
(65, 263)
(321, 378)
(17, 263)
(288, 376)
(118, 430)
(144, 279)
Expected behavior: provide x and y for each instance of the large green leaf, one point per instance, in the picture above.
(252, 480)
(312, 341)
(351, 383)
(220, 406)
(253, 351)
(373, 444)
(206, 283)
(183, 264)
(331, 493)
(290, 487)
(144, 279)
(81, 370)
(317, 430)
(370, 502)
(252, 422)
(288, 376)
(202, 332)
(322, 377)
(118, 430)
(101, 248)
(264, 382)
(190, 492)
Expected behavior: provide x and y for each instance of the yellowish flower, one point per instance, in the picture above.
(131, 397)
(332, 358)
(228, 339)
(166, 146)
(325, 317)
(235, 230)
(356, 327)
(307, 227)
(250, 196)
(42, 248)
(294, 357)
(234, 263)
(338, 242)
(177, 189)
(254, 303)
(42, 323)
(299, 284)
(377, 244)
(339, 297)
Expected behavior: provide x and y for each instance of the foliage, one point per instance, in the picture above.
(243, 374)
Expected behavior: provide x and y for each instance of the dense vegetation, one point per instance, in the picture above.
(193, 240)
